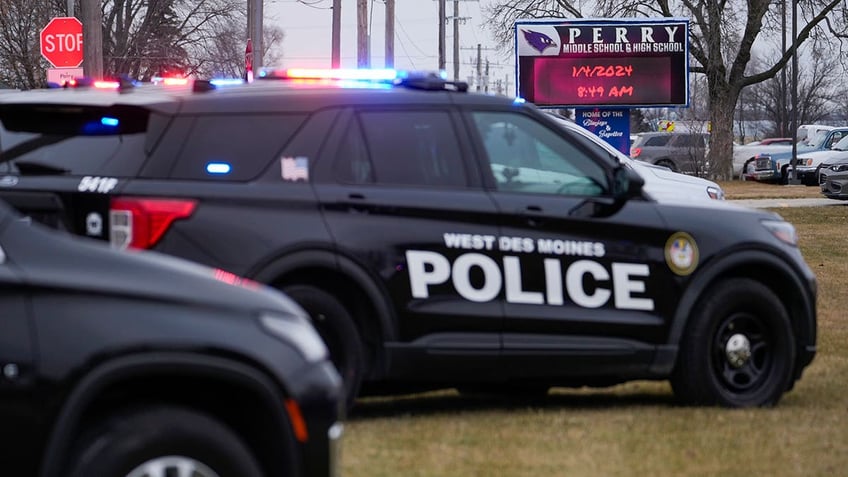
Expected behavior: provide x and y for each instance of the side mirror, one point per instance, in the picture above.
(627, 183)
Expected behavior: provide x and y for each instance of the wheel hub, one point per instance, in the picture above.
(167, 466)
(738, 350)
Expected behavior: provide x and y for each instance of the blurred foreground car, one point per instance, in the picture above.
(661, 183)
(122, 364)
(833, 179)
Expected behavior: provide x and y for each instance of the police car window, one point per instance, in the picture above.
(353, 165)
(526, 156)
(233, 147)
(413, 148)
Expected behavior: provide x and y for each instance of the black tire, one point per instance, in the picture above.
(745, 167)
(732, 313)
(339, 332)
(667, 163)
(784, 175)
(126, 444)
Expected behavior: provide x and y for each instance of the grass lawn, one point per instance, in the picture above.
(633, 429)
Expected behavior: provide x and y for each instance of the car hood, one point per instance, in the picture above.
(49, 259)
(833, 154)
(664, 185)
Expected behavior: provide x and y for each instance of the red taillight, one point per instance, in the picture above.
(635, 151)
(140, 222)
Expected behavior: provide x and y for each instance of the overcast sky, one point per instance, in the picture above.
(308, 31)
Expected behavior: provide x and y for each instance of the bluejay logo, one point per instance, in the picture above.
(539, 41)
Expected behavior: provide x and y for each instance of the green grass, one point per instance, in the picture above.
(634, 428)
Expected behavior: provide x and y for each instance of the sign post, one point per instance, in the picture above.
(61, 42)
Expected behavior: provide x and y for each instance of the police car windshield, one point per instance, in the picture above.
(27, 153)
(57, 139)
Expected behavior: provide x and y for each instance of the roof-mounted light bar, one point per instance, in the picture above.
(387, 74)
(169, 81)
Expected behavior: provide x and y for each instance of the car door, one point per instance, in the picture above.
(583, 278)
(402, 199)
(18, 405)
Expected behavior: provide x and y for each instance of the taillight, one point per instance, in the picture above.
(140, 222)
(635, 151)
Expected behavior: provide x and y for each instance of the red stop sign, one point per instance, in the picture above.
(61, 42)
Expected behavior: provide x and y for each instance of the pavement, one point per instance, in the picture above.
(778, 203)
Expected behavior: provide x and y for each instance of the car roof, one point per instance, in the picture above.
(253, 97)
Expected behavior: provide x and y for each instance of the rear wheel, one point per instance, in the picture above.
(339, 332)
(163, 442)
(738, 349)
(667, 163)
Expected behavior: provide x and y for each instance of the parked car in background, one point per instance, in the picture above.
(684, 152)
(661, 183)
(775, 166)
(833, 178)
(807, 165)
(745, 153)
(139, 364)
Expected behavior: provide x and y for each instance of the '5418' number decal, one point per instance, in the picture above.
(102, 185)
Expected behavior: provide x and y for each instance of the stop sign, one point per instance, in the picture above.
(61, 42)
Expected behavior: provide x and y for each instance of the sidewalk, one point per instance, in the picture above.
(778, 203)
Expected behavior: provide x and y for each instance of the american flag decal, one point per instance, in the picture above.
(295, 168)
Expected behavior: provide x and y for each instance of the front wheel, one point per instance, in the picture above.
(738, 350)
(163, 442)
(337, 328)
(747, 168)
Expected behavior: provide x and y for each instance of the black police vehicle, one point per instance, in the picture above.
(436, 237)
(117, 364)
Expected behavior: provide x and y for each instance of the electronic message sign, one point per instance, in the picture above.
(603, 62)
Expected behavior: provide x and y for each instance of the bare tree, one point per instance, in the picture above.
(721, 38)
(818, 96)
(142, 38)
(21, 63)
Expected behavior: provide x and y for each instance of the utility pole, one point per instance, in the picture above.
(336, 56)
(92, 38)
(390, 33)
(362, 59)
(442, 20)
(479, 57)
(456, 40)
(254, 31)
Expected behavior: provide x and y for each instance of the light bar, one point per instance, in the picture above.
(227, 81)
(169, 81)
(107, 84)
(337, 74)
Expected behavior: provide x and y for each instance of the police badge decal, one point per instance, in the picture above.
(681, 253)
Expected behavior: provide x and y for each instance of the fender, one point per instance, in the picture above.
(158, 364)
(667, 354)
(333, 261)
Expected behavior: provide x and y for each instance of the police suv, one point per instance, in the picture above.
(437, 238)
